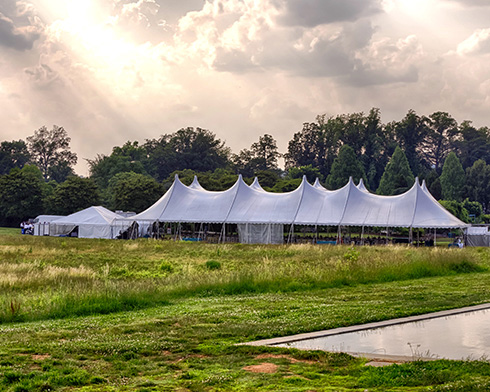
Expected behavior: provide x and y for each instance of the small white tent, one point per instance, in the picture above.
(41, 223)
(92, 222)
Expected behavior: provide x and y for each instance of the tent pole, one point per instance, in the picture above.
(339, 235)
(291, 229)
(387, 230)
(222, 234)
(410, 236)
(418, 238)
(435, 237)
(316, 233)
(362, 236)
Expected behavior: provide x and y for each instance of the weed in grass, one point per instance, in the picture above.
(213, 265)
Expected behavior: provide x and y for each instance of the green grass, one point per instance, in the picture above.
(95, 315)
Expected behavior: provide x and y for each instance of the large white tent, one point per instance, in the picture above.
(309, 204)
(92, 222)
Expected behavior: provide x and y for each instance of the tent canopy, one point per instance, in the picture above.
(309, 204)
(92, 222)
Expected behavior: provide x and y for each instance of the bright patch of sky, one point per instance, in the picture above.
(116, 70)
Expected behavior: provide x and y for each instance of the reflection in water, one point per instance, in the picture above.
(459, 336)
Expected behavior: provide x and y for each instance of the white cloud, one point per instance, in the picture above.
(477, 43)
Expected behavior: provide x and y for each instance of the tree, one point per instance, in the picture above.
(21, 195)
(344, 166)
(471, 144)
(455, 208)
(13, 154)
(376, 146)
(409, 134)
(452, 178)
(397, 177)
(128, 158)
(317, 144)
(311, 173)
(73, 195)
(263, 155)
(51, 149)
(188, 148)
(441, 130)
(478, 183)
(133, 191)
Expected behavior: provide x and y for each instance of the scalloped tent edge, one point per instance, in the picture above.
(309, 204)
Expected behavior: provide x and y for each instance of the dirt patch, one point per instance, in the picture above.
(40, 357)
(265, 367)
(292, 360)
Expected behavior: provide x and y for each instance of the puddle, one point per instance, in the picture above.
(457, 334)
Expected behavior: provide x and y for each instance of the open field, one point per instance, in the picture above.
(146, 315)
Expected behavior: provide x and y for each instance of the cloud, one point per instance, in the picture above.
(17, 37)
(311, 13)
(477, 43)
(470, 3)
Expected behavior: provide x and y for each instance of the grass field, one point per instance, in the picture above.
(146, 315)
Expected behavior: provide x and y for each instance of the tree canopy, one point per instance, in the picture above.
(397, 177)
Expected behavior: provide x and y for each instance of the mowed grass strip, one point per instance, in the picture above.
(44, 278)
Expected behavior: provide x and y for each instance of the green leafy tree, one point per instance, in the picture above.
(13, 154)
(286, 185)
(344, 166)
(456, 208)
(441, 129)
(50, 150)
(475, 210)
(471, 144)
(73, 195)
(478, 183)
(133, 191)
(397, 177)
(317, 144)
(21, 195)
(452, 178)
(128, 158)
(263, 155)
(311, 173)
(196, 149)
(267, 178)
(409, 133)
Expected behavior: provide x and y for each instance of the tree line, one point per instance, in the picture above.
(37, 176)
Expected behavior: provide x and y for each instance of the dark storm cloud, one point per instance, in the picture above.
(19, 27)
(310, 13)
(19, 38)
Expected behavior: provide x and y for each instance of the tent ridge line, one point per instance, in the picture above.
(345, 204)
(299, 203)
(233, 201)
(416, 200)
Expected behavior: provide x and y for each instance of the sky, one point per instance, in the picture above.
(110, 71)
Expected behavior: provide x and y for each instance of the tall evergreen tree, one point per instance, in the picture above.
(452, 178)
(344, 166)
(397, 177)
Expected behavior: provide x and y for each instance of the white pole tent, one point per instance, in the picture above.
(261, 215)
(92, 222)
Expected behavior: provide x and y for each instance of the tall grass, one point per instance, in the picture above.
(42, 278)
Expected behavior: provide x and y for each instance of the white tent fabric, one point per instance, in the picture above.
(306, 205)
(41, 223)
(92, 222)
(361, 186)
